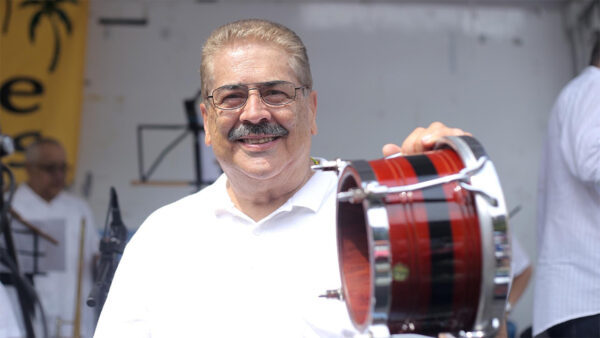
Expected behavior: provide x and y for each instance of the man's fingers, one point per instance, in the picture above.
(412, 144)
(422, 139)
(391, 149)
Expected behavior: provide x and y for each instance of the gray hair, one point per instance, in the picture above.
(32, 151)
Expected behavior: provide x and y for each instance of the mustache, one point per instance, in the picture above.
(263, 128)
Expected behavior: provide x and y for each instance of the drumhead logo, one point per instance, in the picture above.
(400, 272)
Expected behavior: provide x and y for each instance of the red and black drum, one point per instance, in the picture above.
(423, 241)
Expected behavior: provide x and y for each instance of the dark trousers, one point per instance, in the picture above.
(584, 327)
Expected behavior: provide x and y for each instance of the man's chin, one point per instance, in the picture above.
(258, 169)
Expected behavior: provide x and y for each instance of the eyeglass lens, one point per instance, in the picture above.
(277, 93)
(53, 168)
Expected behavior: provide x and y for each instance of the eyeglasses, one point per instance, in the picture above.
(53, 168)
(274, 94)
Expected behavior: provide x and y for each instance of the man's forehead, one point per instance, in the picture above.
(251, 62)
(50, 151)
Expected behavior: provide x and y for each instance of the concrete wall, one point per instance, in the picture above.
(379, 69)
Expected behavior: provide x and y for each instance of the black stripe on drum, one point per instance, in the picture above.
(364, 170)
(440, 236)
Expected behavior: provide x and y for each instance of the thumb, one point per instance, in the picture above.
(390, 149)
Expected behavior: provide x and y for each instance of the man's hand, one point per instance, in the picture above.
(422, 139)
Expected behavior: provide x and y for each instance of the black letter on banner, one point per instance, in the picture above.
(7, 91)
(22, 141)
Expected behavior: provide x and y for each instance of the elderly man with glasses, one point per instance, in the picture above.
(43, 202)
(249, 255)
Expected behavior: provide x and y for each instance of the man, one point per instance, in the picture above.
(250, 254)
(567, 279)
(42, 201)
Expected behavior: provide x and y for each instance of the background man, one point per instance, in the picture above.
(43, 201)
(567, 279)
(250, 254)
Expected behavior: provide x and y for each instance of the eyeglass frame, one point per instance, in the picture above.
(257, 88)
(53, 168)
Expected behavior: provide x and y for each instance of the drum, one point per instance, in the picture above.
(422, 241)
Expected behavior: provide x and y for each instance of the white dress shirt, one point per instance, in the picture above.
(567, 279)
(201, 268)
(57, 289)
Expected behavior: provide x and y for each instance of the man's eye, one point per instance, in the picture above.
(232, 96)
(273, 92)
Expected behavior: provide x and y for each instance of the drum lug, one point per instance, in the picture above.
(354, 195)
(333, 294)
(491, 200)
(337, 165)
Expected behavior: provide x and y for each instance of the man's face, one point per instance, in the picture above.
(48, 172)
(259, 156)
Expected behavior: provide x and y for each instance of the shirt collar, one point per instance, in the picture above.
(221, 199)
(314, 192)
(29, 191)
(311, 196)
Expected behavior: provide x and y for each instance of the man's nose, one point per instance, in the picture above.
(255, 110)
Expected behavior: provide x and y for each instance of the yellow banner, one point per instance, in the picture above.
(42, 54)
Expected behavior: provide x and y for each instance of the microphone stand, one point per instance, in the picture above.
(25, 298)
(195, 128)
(112, 245)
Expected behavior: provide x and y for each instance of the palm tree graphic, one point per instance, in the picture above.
(51, 10)
(7, 12)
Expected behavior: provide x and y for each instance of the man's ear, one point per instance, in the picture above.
(313, 110)
(206, 123)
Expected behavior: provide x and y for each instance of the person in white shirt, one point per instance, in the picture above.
(567, 278)
(43, 201)
(249, 255)
(9, 326)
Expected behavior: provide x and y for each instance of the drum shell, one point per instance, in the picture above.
(431, 279)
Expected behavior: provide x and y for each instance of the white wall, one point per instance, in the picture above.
(379, 69)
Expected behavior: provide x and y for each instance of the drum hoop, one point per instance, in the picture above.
(494, 235)
(380, 259)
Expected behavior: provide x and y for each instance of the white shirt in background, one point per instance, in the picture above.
(567, 278)
(57, 289)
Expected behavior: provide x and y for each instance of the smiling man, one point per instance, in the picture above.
(250, 254)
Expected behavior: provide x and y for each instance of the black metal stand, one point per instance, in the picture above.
(112, 245)
(193, 127)
(26, 300)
